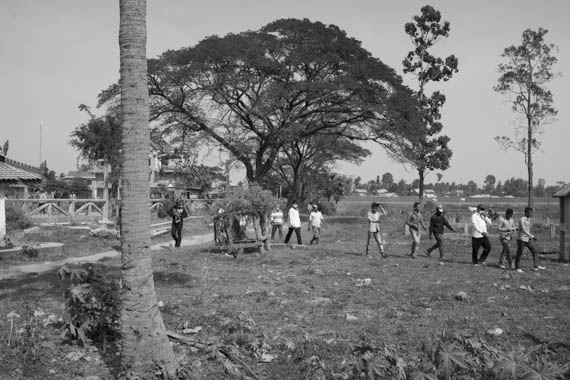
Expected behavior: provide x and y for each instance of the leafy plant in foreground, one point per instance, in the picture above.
(91, 302)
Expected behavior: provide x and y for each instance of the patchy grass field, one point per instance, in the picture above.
(311, 313)
(78, 242)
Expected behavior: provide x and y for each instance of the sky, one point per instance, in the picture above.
(58, 54)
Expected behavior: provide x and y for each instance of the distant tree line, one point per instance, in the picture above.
(516, 187)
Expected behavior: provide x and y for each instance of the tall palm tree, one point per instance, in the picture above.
(144, 341)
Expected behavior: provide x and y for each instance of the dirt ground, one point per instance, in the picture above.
(302, 312)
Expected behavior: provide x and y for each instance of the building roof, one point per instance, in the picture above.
(563, 192)
(12, 174)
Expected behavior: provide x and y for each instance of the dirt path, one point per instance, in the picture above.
(20, 270)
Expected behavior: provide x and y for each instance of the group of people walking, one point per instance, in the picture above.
(316, 221)
(480, 221)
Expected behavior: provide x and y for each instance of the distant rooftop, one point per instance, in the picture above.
(13, 171)
(563, 192)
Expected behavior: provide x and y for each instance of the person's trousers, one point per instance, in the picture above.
(275, 228)
(297, 232)
(438, 245)
(415, 239)
(176, 232)
(506, 252)
(316, 234)
(476, 244)
(378, 239)
(520, 246)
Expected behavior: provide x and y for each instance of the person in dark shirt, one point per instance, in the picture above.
(437, 223)
(178, 213)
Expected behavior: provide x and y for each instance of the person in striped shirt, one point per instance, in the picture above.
(506, 229)
(414, 222)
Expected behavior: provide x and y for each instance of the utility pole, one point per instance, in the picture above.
(41, 125)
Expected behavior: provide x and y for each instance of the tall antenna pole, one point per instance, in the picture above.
(41, 124)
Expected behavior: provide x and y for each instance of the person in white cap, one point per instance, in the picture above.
(437, 223)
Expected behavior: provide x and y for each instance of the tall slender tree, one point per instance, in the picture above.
(524, 77)
(428, 149)
(144, 345)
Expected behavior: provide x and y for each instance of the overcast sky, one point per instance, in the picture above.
(58, 54)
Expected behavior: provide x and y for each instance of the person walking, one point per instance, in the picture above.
(294, 223)
(316, 219)
(506, 229)
(525, 239)
(437, 223)
(414, 222)
(178, 213)
(374, 228)
(277, 223)
(480, 236)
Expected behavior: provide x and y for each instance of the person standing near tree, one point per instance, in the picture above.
(178, 213)
(414, 222)
(480, 236)
(294, 223)
(277, 223)
(525, 239)
(506, 229)
(437, 223)
(316, 219)
(374, 228)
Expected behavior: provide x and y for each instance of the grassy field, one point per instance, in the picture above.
(318, 312)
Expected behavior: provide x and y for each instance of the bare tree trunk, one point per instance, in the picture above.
(422, 177)
(529, 165)
(144, 343)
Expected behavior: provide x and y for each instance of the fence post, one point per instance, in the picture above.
(552, 231)
(406, 230)
(466, 229)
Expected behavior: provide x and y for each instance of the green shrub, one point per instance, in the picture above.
(16, 219)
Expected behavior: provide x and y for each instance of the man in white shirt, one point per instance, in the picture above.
(315, 220)
(525, 239)
(294, 224)
(479, 237)
(374, 228)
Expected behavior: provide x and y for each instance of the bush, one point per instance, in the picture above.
(327, 208)
(16, 219)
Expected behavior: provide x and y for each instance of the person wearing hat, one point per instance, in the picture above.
(178, 213)
(479, 236)
(316, 219)
(374, 228)
(437, 223)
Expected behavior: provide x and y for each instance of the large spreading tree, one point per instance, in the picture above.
(428, 149)
(524, 78)
(257, 92)
(301, 161)
(145, 348)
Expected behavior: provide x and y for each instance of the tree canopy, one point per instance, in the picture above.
(428, 149)
(256, 92)
(524, 77)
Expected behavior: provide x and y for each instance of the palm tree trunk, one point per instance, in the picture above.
(144, 345)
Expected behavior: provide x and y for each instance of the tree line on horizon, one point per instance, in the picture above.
(515, 187)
